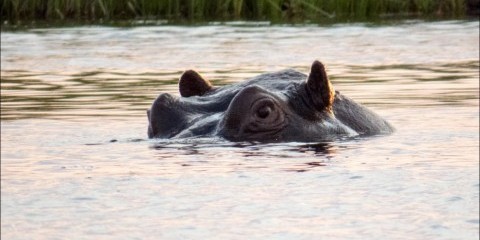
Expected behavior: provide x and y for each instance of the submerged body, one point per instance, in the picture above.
(273, 107)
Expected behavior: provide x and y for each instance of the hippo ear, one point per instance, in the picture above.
(192, 84)
(319, 87)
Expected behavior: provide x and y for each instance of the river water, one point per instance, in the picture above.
(77, 164)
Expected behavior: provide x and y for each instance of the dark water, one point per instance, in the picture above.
(76, 162)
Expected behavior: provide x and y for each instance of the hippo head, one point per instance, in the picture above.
(301, 111)
(281, 106)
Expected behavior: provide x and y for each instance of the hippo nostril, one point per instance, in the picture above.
(264, 112)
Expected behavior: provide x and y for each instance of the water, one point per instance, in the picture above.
(76, 163)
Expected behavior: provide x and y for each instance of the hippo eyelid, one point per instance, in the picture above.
(260, 100)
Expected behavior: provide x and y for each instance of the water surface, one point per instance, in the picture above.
(76, 162)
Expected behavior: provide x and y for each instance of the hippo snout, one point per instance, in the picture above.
(165, 118)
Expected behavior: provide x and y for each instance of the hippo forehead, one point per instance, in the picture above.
(274, 82)
(279, 84)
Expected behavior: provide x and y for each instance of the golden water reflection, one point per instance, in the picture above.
(76, 160)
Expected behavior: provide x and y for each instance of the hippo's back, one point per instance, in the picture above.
(273, 81)
(358, 117)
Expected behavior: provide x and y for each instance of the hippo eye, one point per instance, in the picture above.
(264, 112)
(267, 118)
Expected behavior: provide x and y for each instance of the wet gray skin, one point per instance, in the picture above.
(282, 106)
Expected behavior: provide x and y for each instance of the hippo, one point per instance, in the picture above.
(283, 106)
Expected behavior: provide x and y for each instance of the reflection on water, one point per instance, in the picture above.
(278, 151)
(76, 160)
